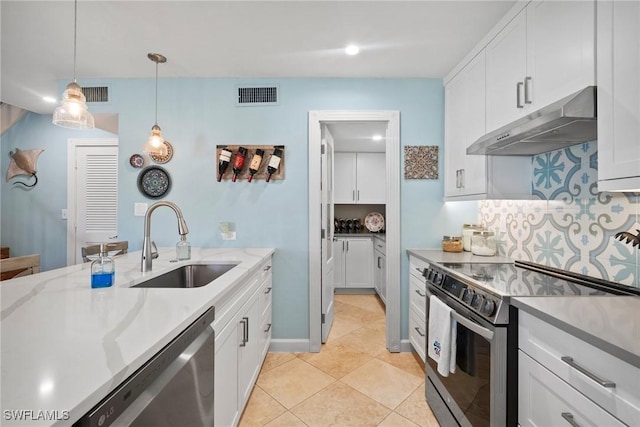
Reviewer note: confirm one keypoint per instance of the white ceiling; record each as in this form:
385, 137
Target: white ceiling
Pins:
398, 39
358, 136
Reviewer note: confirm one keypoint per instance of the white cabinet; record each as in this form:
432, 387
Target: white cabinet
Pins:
360, 178
353, 262
476, 176
618, 96
545, 53
417, 307
561, 377
380, 267
241, 344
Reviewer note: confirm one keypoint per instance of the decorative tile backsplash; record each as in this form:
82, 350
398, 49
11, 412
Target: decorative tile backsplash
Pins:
569, 224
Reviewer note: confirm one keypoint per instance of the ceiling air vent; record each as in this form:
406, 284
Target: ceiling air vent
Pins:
96, 93
258, 95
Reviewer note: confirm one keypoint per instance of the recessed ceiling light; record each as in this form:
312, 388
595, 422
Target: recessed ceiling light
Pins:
49, 99
377, 137
352, 49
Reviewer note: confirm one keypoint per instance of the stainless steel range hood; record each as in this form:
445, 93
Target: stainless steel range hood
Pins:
570, 121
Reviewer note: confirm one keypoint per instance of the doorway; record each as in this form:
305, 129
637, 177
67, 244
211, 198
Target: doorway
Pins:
392, 191
92, 194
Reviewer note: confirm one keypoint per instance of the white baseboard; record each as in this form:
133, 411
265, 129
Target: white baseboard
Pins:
405, 346
289, 346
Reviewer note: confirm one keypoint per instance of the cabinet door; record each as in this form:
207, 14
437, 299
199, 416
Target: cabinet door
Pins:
506, 68
248, 366
455, 134
344, 169
339, 246
358, 263
561, 51
618, 96
226, 408
383, 278
371, 178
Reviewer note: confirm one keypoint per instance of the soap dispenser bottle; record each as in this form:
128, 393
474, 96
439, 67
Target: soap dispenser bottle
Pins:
103, 269
183, 249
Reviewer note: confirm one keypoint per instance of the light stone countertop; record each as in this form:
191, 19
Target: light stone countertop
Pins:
439, 256
611, 323
65, 346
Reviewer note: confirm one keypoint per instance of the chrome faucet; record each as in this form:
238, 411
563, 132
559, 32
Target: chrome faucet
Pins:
183, 230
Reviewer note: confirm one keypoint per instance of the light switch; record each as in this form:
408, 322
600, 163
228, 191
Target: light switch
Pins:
140, 209
63, 214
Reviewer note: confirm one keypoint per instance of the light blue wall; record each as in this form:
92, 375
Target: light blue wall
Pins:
198, 114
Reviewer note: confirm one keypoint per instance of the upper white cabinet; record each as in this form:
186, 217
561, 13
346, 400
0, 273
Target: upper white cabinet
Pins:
476, 176
618, 96
545, 53
360, 178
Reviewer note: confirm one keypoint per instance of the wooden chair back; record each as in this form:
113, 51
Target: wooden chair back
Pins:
19, 266
89, 253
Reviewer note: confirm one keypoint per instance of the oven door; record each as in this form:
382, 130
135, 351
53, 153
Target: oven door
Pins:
475, 395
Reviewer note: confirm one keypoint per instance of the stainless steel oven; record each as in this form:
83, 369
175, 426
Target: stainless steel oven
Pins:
173, 389
483, 390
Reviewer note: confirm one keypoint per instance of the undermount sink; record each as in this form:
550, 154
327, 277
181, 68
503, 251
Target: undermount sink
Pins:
188, 276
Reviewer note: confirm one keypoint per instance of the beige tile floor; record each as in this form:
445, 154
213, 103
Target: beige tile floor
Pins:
353, 381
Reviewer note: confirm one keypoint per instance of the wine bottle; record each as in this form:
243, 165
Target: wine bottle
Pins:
238, 162
223, 162
274, 163
254, 165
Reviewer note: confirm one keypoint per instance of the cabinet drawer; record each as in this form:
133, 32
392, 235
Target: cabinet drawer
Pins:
380, 245
266, 290
546, 400
417, 266
548, 345
417, 296
418, 332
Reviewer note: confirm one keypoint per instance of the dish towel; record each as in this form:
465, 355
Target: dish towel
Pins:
441, 338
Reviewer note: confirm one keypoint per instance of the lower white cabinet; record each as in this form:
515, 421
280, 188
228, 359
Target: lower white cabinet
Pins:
380, 268
562, 377
241, 343
417, 307
353, 262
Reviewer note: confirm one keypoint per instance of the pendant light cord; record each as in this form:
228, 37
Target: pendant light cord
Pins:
156, 93
75, 31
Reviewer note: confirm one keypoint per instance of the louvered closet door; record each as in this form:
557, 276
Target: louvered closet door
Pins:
96, 195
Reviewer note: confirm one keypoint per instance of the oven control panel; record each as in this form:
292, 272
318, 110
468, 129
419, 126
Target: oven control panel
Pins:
474, 298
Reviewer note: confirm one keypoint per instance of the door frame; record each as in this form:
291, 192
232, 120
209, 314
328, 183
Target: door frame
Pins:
393, 309
72, 177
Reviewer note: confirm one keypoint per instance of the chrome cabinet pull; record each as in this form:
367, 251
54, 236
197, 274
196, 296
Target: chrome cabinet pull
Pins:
343, 246
353, 195
266, 268
268, 290
379, 262
604, 383
518, 100
419, 331
420, 293
527, 94
461, 178
268, 327
347, 246
569, 417
244, 332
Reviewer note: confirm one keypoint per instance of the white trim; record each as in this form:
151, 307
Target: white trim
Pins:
71, 187
392, 220
288, 346
406, 347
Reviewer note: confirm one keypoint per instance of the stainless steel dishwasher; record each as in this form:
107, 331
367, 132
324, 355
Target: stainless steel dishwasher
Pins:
174, 388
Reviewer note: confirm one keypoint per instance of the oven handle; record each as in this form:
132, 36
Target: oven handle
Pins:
482, 331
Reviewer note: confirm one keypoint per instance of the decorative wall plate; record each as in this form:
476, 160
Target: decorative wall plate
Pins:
167, 157
374, 222
136, 160
154, 182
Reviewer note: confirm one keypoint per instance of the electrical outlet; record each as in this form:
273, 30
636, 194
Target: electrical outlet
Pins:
64, 214
229, 235
140, 209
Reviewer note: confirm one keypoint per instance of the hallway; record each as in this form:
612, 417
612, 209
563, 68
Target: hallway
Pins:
353, 381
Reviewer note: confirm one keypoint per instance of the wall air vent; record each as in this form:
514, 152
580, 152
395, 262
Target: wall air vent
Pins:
96, 94
257, 95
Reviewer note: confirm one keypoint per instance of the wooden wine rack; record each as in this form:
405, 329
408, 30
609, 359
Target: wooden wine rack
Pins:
251, 149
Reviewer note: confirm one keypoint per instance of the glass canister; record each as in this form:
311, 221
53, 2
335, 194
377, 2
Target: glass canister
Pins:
483, 243
467, 233
452, 243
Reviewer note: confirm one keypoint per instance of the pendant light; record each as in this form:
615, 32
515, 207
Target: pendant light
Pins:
72, 111
155, 144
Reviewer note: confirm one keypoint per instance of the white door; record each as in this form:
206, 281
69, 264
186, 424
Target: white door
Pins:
327, 232
92, 196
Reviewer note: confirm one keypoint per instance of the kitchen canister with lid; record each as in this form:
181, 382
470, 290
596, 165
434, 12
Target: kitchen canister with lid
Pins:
452, 243
483, 243
467, 233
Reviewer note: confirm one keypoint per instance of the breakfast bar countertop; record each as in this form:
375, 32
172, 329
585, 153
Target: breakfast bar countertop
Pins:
65, 346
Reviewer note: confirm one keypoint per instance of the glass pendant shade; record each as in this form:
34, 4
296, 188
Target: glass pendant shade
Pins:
73, 112
155, 144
